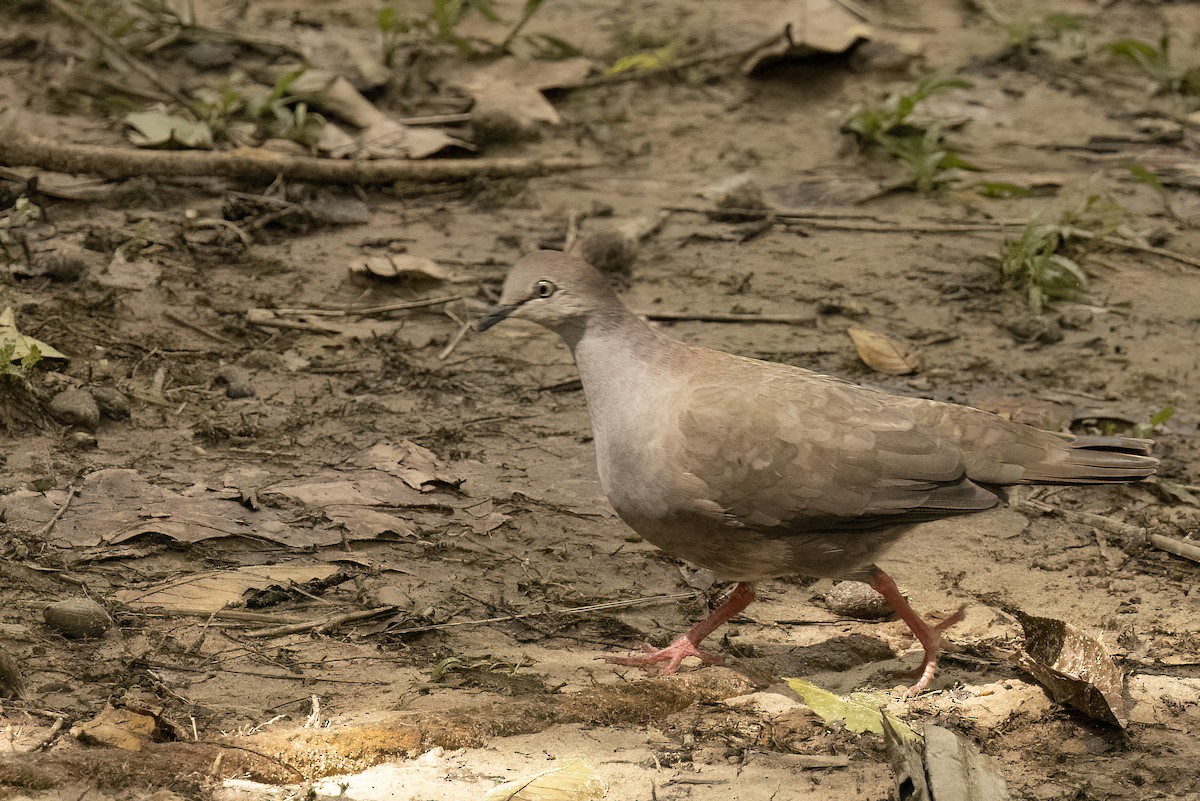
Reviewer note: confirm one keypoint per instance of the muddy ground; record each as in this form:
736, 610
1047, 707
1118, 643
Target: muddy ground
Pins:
444, 478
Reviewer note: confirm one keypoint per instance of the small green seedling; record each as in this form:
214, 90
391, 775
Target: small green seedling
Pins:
1025, 29
889, 127
1033, 264
20, 369
1157, 421
440, 25
1155, 61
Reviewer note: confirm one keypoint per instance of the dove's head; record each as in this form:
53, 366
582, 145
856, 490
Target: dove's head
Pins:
557, 290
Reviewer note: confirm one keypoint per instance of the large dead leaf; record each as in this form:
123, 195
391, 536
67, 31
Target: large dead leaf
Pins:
21, 344
512, 88
117, 728
403, 267
883, 353
159, 128
809, 27
417, 466
116, 505
571, 780
1074, 667
957, 771
859, 712
208, 591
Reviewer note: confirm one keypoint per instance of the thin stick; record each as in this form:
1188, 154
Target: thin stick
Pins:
458, 337
1108, 524
19, 149
46, 529
320, 624
731, 317
1175, 546
370, 310
199, 329
571, 611
638, 75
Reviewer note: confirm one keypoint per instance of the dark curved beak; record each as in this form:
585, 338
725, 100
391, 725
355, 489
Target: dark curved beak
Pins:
494, 315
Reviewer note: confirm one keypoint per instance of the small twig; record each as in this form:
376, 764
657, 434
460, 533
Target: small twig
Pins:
1108, 524
571, 611
60, 722
175, 317
1175, 546
1128, 245
323, 623
457, 338
370, 310
19, 149
233, 615
46, 529
638, 75
731, 317
138, 66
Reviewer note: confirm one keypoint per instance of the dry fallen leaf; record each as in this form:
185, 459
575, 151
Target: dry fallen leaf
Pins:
808, 27
958, 771
118, 728
401, 267
883, 353
1074, 667
570, 780
22, 344
512, 89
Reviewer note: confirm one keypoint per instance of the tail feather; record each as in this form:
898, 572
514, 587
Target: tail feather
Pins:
1094, 460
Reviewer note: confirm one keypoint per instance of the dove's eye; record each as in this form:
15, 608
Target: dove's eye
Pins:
544, 288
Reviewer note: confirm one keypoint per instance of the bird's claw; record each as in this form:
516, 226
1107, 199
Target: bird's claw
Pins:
673, 655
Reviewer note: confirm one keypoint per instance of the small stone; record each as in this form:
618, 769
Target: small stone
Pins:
238, 381
77, 618
112, 402
83, 440
76, 407
857, 600
211, 55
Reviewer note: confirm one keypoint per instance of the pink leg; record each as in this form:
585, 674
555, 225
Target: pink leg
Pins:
929, 636
687, 644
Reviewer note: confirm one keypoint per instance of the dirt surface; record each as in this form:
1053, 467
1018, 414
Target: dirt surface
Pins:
444, 479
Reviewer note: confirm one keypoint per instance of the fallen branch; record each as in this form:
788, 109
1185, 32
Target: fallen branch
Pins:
1112, 526
1178, 547
371, 310
46, 529
730, 317
570, 611
20, 149
323, 623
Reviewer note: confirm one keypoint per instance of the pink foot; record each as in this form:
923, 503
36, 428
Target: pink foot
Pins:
688, 643
929, 636
673, 655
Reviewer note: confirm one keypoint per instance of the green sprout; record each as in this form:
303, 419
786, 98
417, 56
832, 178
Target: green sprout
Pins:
889, 127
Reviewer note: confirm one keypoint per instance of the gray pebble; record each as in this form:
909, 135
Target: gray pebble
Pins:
76, 407
113, 403
77, 618
238, 381
857, 600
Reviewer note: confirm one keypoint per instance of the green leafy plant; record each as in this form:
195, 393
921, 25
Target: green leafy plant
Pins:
1033, 264
1156, 62
890, 127
1025, 29
1156, 421
440, 25
1037, 262
20, 369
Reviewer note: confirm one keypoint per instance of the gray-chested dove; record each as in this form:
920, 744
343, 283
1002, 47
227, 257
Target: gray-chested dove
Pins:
757, 470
